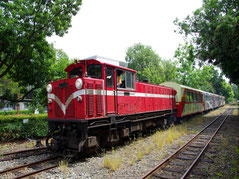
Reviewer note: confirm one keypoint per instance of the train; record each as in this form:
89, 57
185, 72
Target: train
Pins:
100, 104
190, 101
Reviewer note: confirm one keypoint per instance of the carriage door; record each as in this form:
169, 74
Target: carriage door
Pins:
110, 90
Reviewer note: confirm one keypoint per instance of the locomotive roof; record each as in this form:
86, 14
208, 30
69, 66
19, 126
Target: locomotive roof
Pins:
108, 61
102, 60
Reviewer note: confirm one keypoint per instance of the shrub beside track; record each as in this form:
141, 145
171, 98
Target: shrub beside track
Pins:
4, 113
13, 127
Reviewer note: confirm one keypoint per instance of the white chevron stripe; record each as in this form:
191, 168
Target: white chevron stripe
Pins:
70, 98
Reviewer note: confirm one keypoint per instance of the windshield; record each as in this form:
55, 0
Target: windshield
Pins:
76, 72
94, 71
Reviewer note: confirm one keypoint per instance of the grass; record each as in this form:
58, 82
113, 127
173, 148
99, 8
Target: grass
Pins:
112, 161
139, 154
235, 112
132, 160
224, 142
63, 166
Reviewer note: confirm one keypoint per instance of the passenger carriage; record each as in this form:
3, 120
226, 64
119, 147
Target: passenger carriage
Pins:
208, 99
189, 100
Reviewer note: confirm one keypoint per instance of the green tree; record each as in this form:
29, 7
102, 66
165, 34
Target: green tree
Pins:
56, 71
26, 57
53, 70
187, 65
214, 28
200, 75
149, 65
220, 86
57, 68
142, 58
236, 91
204, 77
25, 24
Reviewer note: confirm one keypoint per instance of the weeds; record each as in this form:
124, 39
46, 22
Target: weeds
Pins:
132, 160
139, 154
63, 166
235, 112
112, 161
236, 149
219, 174
225, 142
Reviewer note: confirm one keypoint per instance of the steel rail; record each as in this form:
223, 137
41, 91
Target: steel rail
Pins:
203, 150
23, 151
164, 162
27, 165
36, 172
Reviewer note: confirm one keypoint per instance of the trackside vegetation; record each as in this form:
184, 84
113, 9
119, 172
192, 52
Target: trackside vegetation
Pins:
24, 126
15, 112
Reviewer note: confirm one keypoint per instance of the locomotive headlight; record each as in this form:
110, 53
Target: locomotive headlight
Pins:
79, 98
79, 83
49, 88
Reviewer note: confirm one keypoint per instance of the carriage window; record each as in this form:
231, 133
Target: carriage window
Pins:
187, 96
76, 72
109, 77
94, 71
194, 97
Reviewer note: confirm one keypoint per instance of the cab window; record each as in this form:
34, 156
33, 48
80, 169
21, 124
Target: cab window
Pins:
125, 79
128, 80
120, 79
94, 71
76, 72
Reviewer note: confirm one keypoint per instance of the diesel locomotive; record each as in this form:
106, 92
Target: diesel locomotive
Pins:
102, 103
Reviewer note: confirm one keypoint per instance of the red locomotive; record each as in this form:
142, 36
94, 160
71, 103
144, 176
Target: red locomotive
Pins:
101, 103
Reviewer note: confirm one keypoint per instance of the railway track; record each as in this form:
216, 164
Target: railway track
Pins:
182, 162
39, 166
23, 153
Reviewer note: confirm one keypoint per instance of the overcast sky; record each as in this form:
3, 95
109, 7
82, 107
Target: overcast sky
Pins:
108, 27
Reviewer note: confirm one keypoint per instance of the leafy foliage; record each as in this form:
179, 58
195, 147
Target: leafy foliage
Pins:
56, 71
214, 28
25, 56
141, 57
15, 112
12, 127
198, 75
149, 65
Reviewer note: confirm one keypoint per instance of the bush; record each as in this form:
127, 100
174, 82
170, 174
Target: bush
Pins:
15, 112
12, 127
